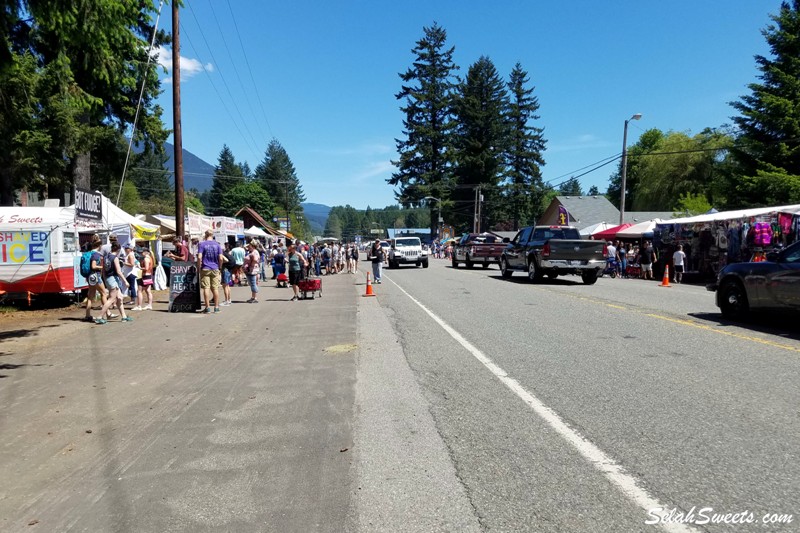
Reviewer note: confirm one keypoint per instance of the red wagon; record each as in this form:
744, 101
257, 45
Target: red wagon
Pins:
310, 286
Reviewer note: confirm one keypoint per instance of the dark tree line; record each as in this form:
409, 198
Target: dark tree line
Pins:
468, 139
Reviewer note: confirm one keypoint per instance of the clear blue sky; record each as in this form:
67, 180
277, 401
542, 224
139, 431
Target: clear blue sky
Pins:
326, 74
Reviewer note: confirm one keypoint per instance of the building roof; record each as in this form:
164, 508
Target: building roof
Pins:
583, 211
260, 221
634, 217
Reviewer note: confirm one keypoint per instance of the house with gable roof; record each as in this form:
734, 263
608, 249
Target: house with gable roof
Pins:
586, 211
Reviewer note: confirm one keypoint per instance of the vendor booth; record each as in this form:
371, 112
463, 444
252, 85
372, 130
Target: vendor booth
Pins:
40, 247
227, 229
712, 240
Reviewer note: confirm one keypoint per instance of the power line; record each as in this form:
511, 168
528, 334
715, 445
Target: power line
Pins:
233, 63
250, 70
214, 86
222, 77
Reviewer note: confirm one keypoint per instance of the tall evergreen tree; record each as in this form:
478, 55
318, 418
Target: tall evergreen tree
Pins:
524, 159
571, 187
90, 56
227, 175
424, 167
147, 172
277, 175
481, 142
769, 146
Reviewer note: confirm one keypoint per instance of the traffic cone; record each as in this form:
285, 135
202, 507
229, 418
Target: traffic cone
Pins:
665, 279
369, 287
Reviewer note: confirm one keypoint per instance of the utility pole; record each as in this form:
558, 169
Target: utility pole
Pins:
476, 226
176, 121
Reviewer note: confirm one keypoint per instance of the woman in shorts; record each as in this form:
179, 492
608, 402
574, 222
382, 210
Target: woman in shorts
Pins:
296, 264
115, 282
251, 269
146, 281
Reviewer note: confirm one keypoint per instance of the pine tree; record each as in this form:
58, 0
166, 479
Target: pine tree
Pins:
571, 187
426, 159
524, 159
769, 149
277, 175
227, 175
481, 141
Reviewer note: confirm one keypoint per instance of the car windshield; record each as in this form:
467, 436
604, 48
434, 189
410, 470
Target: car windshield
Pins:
406, 242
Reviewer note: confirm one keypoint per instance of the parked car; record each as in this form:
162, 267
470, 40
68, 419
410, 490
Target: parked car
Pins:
477, 248
769, 285
552, 251
407, 250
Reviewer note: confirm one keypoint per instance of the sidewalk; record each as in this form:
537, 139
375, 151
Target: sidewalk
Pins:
236, 421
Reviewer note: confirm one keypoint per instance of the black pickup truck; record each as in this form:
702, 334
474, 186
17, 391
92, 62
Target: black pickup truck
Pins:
553, 251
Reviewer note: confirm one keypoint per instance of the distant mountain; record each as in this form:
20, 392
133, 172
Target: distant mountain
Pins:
317, 216
197, 174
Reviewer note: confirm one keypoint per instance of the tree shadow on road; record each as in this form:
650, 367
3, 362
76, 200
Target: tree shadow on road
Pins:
782, 325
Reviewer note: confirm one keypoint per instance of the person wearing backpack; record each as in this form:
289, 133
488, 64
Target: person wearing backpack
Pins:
115, 281
91, 268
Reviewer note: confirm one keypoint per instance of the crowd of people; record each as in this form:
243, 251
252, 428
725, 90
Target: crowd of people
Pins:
118, 271
634, 261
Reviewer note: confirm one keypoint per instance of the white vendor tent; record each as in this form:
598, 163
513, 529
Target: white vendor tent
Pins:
637, 230
255, 231
588, 231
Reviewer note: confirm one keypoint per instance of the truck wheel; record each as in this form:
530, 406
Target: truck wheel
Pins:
552, 275
733, 300
485, 265
533, 273
589, 278
425, 264
468, 262
505, 272
455, 263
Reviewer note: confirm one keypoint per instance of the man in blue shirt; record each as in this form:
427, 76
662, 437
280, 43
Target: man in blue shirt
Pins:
209, 260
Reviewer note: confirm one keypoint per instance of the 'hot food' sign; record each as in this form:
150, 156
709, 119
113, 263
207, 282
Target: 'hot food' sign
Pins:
88, 204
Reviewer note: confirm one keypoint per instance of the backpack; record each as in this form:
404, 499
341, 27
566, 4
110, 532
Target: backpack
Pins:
86, 264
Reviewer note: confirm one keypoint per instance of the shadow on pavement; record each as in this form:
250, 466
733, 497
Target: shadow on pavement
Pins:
782, 325
522, 279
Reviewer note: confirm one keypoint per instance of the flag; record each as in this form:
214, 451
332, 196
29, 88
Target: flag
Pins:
563, 216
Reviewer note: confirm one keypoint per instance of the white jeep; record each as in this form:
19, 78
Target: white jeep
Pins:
405, 250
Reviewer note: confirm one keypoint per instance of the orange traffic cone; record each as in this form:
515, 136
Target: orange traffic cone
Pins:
665, 279
369, 287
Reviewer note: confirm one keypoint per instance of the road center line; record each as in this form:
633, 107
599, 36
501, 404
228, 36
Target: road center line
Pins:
601, 461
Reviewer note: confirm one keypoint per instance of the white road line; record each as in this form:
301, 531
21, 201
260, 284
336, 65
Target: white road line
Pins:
597, 457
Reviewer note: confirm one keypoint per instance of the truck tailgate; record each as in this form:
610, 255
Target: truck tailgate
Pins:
575, 250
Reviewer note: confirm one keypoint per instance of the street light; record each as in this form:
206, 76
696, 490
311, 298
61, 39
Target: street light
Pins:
637, 116
439, 203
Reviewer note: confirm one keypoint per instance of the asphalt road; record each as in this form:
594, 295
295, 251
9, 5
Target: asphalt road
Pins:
527, 383
452, 401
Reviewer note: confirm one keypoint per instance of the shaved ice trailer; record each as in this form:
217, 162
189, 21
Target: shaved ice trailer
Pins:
40, 247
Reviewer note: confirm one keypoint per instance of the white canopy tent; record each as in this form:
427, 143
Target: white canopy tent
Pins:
588, 231
733, 215
255, 231
637, 230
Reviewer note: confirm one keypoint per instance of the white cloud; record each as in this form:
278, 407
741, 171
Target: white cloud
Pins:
374, 170
189, 67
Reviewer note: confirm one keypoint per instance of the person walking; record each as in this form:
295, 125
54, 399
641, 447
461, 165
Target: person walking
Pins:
227, 275
146, 282
646, 260
95, 279
238, 253
296, 263
377, 255
251, 270
679, 260
131, 271
114, 280
209, 259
